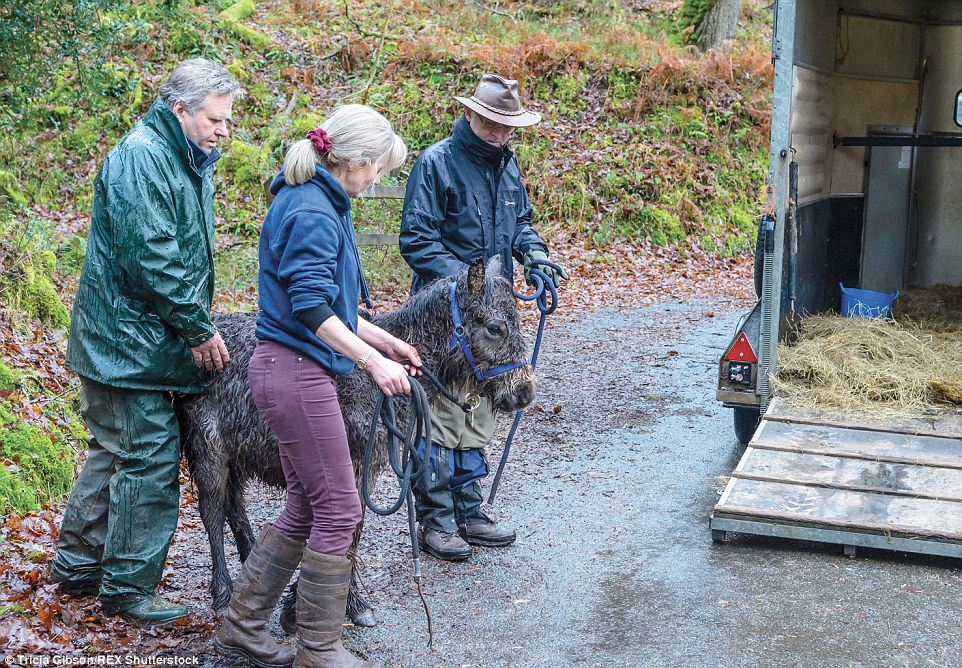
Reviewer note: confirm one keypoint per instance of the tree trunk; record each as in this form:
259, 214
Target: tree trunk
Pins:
719, 24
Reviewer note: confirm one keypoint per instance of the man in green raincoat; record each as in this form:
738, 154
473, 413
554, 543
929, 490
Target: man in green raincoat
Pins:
141, 331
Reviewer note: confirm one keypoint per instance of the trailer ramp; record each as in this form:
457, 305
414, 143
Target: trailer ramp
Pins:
825, 477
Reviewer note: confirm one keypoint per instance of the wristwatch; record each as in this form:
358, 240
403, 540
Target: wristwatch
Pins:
361, 362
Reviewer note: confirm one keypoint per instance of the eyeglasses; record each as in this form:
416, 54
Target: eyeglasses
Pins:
495, 127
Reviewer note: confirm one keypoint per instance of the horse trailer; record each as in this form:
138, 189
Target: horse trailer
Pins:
865, 164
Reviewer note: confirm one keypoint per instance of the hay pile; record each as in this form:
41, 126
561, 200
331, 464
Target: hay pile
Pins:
938, 309
910, 364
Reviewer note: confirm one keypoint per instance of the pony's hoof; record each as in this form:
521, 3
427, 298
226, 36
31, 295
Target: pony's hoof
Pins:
365, 619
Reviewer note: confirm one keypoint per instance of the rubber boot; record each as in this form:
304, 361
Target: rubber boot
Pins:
321, 605
243, 633
436, 513
152, 610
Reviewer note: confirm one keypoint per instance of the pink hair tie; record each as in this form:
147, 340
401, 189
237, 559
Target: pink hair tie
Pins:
322, 144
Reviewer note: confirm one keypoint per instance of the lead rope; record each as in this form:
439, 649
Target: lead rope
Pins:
418, 429
544, 287
402, 451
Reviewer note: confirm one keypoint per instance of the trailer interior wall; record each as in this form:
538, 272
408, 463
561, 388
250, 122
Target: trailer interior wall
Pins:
936, 233
859, 69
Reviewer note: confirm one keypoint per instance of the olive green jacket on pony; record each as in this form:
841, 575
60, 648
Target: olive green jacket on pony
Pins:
148, 279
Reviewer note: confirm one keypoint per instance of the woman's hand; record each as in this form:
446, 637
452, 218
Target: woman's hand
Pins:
390, 376
398, 350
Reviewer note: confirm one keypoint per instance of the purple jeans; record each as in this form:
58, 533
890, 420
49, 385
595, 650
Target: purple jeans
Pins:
298, 400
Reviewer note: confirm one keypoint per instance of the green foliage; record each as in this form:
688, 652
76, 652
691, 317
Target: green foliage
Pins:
33, 293
420, 109
37, 35
236, 269
17, 609
658, 225
302, 124
8, 380
385, 268
185, 39
238, 11
84, 136
71, 254
28, 264
691, 15
639, 139
10, 188
565, 93
736, 245
253, 37
239, 71
248, 166
34, 468
707, 243
6, 415
232, 17
622, 83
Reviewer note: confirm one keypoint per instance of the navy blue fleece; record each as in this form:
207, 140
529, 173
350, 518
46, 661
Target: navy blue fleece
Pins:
309, 267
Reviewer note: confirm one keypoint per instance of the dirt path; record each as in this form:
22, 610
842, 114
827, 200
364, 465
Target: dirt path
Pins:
614, 474
616, 471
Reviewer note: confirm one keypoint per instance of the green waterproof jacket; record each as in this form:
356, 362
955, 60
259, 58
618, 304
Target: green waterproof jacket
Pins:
148, 279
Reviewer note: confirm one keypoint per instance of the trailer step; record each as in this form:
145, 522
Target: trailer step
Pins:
821, 480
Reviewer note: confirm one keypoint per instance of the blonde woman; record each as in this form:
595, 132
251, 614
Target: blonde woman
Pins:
308, 332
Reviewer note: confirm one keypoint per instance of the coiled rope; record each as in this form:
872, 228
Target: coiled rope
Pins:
402, 452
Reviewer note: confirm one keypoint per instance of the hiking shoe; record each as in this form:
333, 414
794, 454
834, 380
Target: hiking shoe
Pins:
151, 610
449, 546
488, 534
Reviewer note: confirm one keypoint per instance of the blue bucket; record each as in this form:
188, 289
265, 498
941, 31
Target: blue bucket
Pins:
858, 303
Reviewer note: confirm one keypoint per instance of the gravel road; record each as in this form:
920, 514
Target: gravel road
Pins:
613, 476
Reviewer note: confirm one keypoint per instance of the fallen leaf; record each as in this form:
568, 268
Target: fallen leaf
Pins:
45, 615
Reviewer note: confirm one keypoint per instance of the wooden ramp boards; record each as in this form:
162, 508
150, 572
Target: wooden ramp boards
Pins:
858, 486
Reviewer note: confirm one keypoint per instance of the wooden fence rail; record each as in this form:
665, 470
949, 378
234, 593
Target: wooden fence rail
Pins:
380, 238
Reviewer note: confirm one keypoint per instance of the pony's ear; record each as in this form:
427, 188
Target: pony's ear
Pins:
476, 277
494, 266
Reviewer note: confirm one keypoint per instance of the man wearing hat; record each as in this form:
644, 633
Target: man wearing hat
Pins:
465, 200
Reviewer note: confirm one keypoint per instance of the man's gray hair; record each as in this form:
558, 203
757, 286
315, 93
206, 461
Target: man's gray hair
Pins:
193, 80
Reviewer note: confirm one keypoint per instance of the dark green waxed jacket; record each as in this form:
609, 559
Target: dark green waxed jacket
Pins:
148, 279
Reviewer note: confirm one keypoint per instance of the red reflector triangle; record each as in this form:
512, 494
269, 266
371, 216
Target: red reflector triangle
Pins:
741, 350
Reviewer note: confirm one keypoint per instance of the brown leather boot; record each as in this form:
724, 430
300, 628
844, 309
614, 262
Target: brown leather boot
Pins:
321, 605
243, 632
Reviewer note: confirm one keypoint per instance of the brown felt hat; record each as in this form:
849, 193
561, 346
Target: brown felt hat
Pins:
497, 100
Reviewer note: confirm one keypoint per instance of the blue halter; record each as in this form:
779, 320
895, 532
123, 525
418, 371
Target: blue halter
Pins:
458, 338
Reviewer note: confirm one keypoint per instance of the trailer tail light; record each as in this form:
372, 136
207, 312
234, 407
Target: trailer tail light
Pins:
740, 372
738, 366
741, 351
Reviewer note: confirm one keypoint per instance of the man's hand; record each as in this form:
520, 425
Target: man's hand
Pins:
530, 260
211, 354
